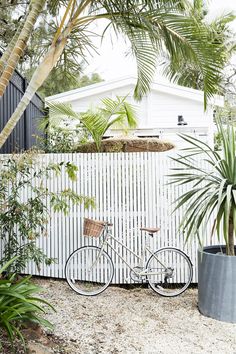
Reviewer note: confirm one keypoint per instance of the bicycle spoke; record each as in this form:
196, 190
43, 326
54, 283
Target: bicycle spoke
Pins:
175, 278
88, 271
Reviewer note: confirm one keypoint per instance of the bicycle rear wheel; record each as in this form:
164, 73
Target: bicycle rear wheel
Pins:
89, 270
169, 272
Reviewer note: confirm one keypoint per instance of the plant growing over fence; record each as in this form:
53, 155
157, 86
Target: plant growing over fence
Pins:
95, 121
62, 140
24, 216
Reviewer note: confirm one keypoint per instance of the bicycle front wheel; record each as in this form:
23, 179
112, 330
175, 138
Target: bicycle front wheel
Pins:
89, 270
169, 271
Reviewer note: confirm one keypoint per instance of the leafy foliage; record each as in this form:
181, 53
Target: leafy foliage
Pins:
64, 79
67, 74
160, 27
151, 27
95, 122
23, 218
212, 188
10, 19
186, 72
113, 113
227, 115
18, 304
62, 140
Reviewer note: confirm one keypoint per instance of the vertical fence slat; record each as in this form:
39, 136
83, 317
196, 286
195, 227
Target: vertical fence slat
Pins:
130, 191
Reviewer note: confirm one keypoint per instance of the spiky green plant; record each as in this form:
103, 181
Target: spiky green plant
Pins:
212, 189
18, 304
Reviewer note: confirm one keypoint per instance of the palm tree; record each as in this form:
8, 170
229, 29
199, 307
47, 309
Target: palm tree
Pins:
16, 47
4, 58
152, 27
187, 73
95, 121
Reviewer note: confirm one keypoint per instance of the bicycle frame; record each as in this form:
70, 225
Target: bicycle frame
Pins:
89, 269
108, 235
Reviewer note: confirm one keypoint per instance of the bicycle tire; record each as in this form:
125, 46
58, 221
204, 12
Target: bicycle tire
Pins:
177, 275
81, 276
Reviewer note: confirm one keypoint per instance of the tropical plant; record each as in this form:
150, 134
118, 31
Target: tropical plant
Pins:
186, 72
23, 218
114, 113
95, 121
19, 305
151, 27
212, 189
15, 50
9, 22
66, 75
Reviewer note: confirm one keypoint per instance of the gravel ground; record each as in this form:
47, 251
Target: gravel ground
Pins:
134, 321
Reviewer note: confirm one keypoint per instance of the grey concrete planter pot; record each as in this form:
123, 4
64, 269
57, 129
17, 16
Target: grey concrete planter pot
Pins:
217, 284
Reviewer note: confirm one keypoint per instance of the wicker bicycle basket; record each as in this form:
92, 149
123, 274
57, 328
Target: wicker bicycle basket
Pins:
93, 228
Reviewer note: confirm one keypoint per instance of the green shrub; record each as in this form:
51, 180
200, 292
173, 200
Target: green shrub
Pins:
19, 305
24, 216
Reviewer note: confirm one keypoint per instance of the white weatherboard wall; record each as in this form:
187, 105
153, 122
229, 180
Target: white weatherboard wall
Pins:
157, 112
130, 190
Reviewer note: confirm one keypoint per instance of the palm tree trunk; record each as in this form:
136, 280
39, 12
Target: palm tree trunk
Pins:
36, 7
38, 78
10, 47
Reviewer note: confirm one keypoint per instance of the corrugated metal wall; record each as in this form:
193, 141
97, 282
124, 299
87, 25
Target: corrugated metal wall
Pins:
23, 136
130, 190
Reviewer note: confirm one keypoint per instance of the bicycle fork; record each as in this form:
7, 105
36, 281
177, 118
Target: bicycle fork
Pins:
98, 257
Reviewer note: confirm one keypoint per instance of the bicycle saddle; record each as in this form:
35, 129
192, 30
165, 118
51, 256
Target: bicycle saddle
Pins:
150, 230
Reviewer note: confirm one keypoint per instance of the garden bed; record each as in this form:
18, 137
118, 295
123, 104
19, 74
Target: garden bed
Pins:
128, 144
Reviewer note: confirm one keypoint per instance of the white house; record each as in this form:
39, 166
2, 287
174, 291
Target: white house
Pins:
157, 112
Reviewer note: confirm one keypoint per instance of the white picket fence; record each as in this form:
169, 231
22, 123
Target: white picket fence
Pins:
130, 190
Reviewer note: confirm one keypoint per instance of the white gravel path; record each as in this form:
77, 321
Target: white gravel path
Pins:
135, 321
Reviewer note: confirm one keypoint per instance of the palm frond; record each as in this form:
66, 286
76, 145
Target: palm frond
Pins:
96, 124
95, 121
59, 112
153, 28
188, 72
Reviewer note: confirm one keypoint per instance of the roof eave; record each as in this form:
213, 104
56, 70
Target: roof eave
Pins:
104, 86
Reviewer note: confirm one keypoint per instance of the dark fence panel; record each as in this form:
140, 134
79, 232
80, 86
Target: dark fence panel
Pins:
24, 135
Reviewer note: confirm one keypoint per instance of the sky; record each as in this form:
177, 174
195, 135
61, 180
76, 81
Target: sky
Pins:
112, 61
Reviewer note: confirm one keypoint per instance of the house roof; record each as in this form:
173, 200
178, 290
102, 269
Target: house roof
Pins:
109, 85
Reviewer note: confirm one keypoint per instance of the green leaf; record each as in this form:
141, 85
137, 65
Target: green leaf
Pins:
211, 188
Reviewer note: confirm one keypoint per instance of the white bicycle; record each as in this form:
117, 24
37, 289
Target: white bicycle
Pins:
89, 270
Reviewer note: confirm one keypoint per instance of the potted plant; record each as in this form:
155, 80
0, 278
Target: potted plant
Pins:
211, 197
